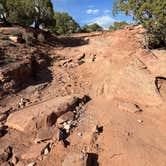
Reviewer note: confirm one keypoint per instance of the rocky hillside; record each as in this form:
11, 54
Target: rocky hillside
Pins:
87, 100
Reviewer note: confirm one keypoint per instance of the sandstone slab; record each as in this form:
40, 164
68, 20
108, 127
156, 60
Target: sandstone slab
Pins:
34, 151
45, 134
41, 115
75, 159
129, 107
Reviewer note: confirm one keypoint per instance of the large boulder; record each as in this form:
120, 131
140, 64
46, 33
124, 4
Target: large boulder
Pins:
41, 115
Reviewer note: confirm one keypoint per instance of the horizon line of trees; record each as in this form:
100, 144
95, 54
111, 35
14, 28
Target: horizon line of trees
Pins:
40, 13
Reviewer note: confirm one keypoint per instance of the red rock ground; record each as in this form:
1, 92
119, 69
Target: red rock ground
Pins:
122, 124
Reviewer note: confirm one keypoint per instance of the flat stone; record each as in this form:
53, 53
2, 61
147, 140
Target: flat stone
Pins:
34, 151
75, 159
47, 134
40, 115
129, 107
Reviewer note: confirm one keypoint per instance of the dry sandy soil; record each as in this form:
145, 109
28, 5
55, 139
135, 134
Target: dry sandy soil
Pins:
97, 103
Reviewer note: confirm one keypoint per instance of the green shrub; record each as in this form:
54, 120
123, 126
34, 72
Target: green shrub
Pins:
6, 43
16, 33
29, 38
2, 37
9, 59
154, 41
151, 14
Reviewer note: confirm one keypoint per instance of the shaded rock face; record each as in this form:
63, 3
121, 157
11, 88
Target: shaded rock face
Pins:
17, 75
14, 75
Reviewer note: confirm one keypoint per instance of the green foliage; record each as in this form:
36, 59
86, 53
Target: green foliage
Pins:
9, 59
91, 28
41, 11
150, 13
16, 33
26, 12
29, 38
18, 12
64, 24
4, 11
118, 25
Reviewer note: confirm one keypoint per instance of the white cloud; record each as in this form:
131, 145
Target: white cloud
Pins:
107, 11
104, 21
92, 11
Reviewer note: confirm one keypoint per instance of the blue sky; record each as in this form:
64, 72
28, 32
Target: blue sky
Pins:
90, 11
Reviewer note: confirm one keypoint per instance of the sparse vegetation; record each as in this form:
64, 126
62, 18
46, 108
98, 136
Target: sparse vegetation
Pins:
91, 28
27, 12
16, 33
29, 38
9, 59
151, 14
64, 24
118, 25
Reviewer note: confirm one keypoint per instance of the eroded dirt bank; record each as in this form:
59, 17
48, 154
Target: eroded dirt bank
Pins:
98, 102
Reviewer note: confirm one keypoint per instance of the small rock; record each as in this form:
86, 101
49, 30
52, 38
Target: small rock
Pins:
99, 129
14, 160
23, 102
31, 164
80, 134
46, 151
140, 121
3, 116
3, 157
6, 155
66, 127
20, 163
80, 57
1, 124
15, 39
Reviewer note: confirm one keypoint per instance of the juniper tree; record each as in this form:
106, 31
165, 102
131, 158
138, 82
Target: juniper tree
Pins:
150, 13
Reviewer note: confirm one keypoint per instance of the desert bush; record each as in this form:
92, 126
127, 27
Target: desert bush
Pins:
154, 41
2, 37
64, 24
118, 25
91, 28
6, 43
16, 33
151, 14
29, 38
9, 59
